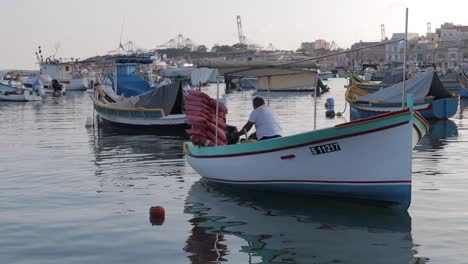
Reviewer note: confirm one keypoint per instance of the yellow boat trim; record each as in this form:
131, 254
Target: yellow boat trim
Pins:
353, 93
141, 109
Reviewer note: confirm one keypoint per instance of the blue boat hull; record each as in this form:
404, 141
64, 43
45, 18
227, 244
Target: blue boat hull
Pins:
463, 92
440, 109
395, 194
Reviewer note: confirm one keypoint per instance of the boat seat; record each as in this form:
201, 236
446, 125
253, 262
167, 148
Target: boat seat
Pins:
243, 141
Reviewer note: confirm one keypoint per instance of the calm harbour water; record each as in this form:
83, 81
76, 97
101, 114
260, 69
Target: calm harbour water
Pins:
70, 194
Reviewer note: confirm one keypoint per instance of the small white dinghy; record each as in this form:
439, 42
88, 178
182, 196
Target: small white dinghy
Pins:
21, 94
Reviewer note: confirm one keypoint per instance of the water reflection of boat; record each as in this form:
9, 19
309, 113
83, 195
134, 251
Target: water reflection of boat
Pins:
463, 105
293, 229
439, 132
442, 129
129, 144
134, 161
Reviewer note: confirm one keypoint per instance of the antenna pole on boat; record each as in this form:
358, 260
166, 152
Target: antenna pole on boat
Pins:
403, 96
150, 77
268, 92
217, 112
316, 91
115, 78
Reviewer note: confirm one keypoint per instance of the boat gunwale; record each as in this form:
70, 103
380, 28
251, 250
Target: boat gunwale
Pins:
362, 122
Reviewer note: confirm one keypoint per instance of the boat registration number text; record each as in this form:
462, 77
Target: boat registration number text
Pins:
326, 148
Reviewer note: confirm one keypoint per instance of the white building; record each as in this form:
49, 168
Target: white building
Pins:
394, 52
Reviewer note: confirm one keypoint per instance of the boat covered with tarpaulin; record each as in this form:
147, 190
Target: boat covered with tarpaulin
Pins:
129, 99
431, 98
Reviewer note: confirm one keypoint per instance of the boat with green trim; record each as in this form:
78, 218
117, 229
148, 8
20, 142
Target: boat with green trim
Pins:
126, 98
368, 86
365, 159
431, 98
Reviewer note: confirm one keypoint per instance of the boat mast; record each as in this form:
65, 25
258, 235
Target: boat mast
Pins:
316, 92
115, 78
217, 112
403, 94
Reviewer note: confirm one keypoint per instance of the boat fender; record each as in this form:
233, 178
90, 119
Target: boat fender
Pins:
221, 106
197, 109
199, 94
221, 134
194, 113
196, 120
157, 215
191, 97
197, 103
221, 138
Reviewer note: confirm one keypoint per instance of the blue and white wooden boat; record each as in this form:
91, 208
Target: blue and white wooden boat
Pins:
463, 84
128, 99
365, 159
431, 98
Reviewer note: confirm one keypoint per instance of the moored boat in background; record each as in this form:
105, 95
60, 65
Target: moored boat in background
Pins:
20, 94
432, 100
128, 99
463, 77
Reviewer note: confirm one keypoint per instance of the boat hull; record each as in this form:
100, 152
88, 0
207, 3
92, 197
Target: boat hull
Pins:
140, 118
360, 165
77, 84
437, 109
463, 85
8, 93
463, 92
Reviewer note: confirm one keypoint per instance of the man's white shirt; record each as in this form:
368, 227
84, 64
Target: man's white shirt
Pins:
266, 122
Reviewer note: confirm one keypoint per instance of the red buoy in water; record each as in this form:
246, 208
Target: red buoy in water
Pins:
157, 215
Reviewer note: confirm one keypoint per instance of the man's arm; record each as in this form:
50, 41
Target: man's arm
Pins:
244, 129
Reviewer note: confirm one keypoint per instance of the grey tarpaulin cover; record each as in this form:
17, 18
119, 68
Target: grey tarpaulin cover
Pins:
162, 97
422, 85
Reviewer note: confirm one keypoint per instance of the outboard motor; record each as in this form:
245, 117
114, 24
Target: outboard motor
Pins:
57, 87
228, 130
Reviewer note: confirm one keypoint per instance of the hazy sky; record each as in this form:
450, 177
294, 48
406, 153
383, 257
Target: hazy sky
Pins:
85, 28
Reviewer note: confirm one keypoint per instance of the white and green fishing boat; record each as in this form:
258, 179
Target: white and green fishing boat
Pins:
366, 159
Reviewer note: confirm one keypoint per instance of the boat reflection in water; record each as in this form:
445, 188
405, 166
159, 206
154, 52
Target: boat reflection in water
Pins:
463, 105
440, 133
287, 229
122, 158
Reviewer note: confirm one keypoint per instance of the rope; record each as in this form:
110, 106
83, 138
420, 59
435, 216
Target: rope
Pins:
344, 110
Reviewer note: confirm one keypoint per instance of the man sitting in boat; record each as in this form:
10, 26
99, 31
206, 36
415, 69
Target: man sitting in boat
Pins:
265, 119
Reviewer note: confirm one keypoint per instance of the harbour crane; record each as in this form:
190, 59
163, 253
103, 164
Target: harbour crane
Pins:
382, 31
179, 42
242, 39
240, 32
